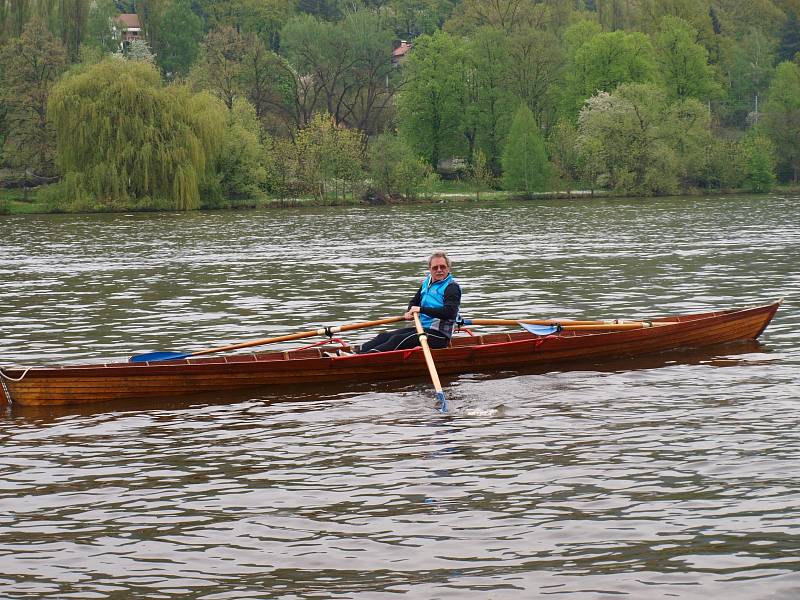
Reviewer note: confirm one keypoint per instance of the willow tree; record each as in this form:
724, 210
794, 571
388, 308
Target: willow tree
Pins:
124, 136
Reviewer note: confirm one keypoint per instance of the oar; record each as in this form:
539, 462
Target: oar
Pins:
426, 350
563, 322
550, 326
157, 356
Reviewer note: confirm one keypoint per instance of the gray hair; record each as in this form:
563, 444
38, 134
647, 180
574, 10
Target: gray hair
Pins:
439, 254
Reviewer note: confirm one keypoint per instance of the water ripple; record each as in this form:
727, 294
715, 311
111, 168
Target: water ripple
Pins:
672, 476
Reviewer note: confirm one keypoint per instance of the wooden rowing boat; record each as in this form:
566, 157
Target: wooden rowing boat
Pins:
81, 384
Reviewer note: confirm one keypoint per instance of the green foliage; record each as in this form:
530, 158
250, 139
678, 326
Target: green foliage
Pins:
700, 16
525, 164
412, 18
344, 68
686, 129
790, 37
69, 195
760, 163
535, 61
431, 106
480, 174
413, 175
240, 163
329, 158
282, 168
266, 18
782, 116
233, 65
139, 51
263, 18
615, 14
562, 147
180, 34
124, 136
220, 66
683, 63
394, 169
722, 165
637, 142
91, 55
324, 9
749, 70
472, 64
267, 82
100, 21
370, 81
578, 34
68, 20
504, 15
490, 105
737, 17
32, 64
605, 61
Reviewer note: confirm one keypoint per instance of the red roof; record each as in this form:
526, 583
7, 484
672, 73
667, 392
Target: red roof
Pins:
401, 50
129, 20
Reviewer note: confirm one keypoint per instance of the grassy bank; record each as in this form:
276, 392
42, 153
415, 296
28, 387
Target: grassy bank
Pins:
21, 202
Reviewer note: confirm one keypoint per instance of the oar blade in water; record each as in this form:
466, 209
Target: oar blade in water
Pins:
441, 403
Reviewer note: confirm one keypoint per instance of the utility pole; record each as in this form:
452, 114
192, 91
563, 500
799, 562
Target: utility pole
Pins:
756, 117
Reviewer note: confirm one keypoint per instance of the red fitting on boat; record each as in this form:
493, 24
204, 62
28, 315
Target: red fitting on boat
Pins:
315, 344
409, 353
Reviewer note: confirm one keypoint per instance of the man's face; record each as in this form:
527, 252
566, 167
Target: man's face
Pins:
439, 269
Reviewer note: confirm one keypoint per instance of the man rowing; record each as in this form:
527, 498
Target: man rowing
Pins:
437, 301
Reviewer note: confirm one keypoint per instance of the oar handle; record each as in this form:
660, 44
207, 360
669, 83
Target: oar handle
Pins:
301, 335
426, 350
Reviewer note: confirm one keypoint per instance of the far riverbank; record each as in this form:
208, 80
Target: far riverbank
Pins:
26, 202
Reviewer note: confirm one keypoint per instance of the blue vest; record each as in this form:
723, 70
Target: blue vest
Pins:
432, 296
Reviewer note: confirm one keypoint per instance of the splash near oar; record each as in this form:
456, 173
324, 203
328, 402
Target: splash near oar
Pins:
329, 331
426, 350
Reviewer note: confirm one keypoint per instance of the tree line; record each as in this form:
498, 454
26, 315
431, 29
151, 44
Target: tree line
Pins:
228, 100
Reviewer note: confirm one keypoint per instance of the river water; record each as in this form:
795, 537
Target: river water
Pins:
674, 476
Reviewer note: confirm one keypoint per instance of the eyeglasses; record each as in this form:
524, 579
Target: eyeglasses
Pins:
439, 268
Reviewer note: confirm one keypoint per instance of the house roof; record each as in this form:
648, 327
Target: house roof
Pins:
401, 50
129, 20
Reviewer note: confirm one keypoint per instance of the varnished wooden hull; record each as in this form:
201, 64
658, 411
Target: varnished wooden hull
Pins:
96, 383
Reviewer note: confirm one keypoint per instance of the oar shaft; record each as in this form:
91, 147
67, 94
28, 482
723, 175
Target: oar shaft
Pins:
612, 327
573, 325
564, 322
426, 350
301, 335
